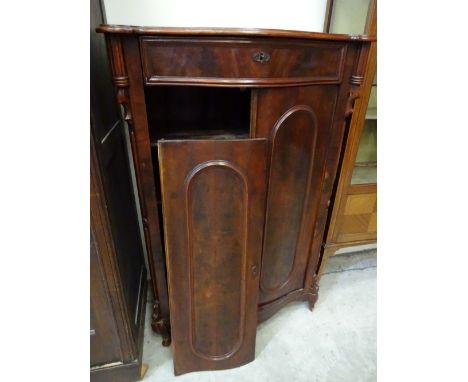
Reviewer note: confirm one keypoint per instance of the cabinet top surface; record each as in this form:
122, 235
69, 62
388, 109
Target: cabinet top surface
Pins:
229, 32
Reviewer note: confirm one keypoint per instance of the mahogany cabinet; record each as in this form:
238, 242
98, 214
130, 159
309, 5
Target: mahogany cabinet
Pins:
236, 137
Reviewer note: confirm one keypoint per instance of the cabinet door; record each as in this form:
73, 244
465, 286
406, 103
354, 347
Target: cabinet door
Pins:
104, 337
213, 195
297, 122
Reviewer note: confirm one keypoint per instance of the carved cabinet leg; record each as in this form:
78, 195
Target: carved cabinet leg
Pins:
161, 325
313, 296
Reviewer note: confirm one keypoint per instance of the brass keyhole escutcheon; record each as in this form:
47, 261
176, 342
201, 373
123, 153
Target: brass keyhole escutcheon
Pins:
261, 57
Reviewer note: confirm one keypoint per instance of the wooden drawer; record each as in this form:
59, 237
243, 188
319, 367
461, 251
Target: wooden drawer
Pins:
241, 62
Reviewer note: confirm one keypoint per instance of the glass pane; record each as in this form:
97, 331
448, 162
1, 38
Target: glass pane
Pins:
372, 105
349, 16
365, 168
367, 151
364, 175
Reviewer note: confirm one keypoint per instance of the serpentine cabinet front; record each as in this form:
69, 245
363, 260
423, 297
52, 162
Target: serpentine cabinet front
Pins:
236, 137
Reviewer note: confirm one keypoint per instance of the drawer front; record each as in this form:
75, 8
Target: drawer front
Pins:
240, 62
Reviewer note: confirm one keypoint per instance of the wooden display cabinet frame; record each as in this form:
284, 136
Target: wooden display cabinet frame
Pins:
335, 238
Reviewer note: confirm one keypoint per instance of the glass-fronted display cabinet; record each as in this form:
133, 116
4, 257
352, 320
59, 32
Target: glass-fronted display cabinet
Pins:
365, 166
353, 218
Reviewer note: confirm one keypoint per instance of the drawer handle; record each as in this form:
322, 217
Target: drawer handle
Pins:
261, 57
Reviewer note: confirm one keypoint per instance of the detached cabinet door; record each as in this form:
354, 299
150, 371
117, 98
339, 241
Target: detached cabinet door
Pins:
213, 194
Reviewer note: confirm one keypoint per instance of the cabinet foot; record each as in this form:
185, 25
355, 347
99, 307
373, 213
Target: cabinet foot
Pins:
161, 325
313, 296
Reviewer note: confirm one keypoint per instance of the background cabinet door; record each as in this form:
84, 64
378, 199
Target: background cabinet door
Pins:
104, 337
213, 195
297, 122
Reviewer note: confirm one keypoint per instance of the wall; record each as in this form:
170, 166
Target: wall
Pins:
307, 15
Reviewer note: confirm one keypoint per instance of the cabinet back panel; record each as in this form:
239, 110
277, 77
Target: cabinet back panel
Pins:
240, 61
194, 112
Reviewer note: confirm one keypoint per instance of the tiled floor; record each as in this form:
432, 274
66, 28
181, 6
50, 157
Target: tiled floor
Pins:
336, 342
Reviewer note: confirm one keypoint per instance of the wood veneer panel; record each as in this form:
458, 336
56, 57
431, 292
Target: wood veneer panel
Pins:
223, 61
213, 197
296, 122
233, 32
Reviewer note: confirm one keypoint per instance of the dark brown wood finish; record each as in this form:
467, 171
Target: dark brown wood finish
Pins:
118, 272
243, 62
230, 32
304, 142
127, 75
296, 122
213, 196
116, 330
303, 87
143, 163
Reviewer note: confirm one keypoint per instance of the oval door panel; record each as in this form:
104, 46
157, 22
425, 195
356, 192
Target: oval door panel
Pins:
293, 146
217, 213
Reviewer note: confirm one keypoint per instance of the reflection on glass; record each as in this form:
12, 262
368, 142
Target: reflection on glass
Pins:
365, 167
349, 16
364, 175
367, 151
372, 106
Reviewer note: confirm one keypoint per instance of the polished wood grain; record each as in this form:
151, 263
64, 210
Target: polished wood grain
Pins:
296, 122
302, 90
126, 69
244, 62
230, 32
312, 136
213, 197
301, 282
